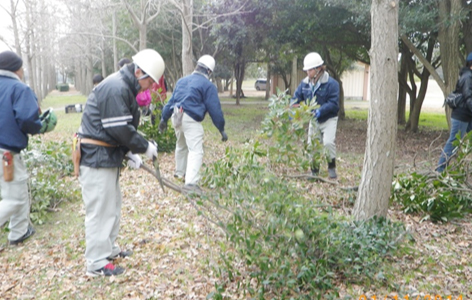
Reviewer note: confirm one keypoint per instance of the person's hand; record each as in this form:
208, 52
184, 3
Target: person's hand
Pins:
151, 150
134, 160
162, 126
224, 136
317, 114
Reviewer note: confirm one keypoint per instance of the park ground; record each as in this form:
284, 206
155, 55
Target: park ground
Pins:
176, 249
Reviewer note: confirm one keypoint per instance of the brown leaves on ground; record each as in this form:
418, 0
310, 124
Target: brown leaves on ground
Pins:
176, 249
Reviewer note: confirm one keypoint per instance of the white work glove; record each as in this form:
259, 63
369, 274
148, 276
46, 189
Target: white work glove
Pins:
151, 150
134, 161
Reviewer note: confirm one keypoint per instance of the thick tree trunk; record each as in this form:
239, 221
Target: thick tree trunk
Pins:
467, 30
377, 173
448, 37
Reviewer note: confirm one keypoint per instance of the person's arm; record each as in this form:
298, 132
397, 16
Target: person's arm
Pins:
332, 101
26, 111
117, 120
298, 96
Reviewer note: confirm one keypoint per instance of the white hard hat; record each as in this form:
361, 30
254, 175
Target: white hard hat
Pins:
150, 62
312, 60
207, 61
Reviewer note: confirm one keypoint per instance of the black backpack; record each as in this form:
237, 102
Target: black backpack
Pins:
454, 100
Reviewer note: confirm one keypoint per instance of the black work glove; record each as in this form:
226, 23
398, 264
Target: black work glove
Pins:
162, 126
224, 136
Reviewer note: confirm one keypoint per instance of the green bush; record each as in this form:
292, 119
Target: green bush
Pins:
439, 197
62, 87
149, 128
50, 167
290, 248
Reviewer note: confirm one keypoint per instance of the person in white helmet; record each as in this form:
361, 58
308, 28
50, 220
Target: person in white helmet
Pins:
320, 87
108, 133
194, 95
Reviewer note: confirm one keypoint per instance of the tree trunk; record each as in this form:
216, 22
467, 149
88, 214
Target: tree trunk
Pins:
402, 85
239, 71
16, 33
293, 78
268, 88
448, 37
187, 52
377, 173
467, 30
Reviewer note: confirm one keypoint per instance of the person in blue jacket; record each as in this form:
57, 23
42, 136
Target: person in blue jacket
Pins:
320, 87
19, 116
194, 96
461, 117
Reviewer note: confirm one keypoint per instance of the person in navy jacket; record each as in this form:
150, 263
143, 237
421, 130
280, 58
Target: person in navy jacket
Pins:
19, 116
194, 95
320, 87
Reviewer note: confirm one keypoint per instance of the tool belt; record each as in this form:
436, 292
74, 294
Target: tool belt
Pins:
76, 154
95, 142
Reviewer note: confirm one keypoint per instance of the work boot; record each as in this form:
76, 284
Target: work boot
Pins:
192, 189
332, 173
29, 232
332, 169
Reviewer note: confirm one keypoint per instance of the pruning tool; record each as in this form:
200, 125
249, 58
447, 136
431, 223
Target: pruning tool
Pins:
158, 172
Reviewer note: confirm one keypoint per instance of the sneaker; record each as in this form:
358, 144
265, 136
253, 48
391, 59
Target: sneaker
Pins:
29, 232
192, 189
332, 174
108, 270
122, 254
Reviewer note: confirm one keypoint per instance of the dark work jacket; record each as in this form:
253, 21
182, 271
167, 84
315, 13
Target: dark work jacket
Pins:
111, 115
197, 96
464, 85
327, 96
19, 112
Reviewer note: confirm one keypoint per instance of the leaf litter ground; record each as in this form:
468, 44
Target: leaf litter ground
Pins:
176, 249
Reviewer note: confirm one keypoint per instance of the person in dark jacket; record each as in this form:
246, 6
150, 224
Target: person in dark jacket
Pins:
193, 97
323, 89
108, 133
97, 78
461, 117
19, 116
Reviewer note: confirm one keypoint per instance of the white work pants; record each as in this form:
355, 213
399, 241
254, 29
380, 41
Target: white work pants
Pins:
14, 204
325, 133
102, 198
189, 149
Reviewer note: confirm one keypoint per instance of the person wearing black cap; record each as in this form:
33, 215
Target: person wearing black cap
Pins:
461, 117
122, 62
97, 78
19, 116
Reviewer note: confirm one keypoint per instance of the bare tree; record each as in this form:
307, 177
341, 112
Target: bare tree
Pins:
147, 11
377, 173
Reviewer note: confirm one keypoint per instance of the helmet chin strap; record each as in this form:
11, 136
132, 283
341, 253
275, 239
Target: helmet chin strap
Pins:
318, 74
